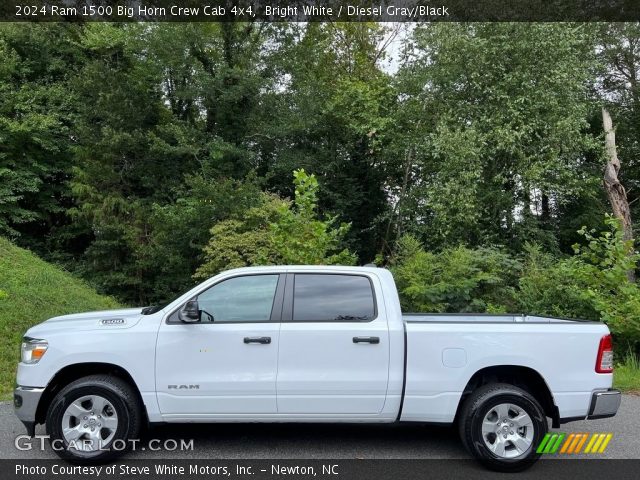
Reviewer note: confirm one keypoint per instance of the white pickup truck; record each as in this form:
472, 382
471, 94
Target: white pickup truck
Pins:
310, 344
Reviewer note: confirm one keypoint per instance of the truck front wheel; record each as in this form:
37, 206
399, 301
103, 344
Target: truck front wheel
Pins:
502, 426
93, 419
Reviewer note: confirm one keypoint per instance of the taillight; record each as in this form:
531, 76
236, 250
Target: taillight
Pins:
604, 360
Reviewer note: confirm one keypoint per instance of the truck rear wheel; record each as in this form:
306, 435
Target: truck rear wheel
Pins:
502, 426
93, 419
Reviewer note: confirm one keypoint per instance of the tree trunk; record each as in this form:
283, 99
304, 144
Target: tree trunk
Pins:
615, 190
546, 209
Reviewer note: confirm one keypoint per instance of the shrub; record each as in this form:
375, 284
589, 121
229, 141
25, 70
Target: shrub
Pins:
549, 287
592, 284
455, 280
278, 232
605, 262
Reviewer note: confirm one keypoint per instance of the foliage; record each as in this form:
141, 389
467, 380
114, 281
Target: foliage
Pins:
300, 237
32, 291
501, 128
591, 285
626, 374
36, 110
605, 261
549, 286
125, 149
160, 156
241, 242
619, 55
456, 279
278, 232
156, 247
331, 109
180, 230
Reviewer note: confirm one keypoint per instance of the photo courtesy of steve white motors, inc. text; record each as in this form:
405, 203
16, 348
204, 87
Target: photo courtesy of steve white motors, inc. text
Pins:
164, 468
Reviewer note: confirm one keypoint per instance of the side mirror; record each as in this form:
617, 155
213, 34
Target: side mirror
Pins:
190, 313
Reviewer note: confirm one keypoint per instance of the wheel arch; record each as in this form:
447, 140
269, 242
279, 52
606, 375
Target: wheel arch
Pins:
520, 376
75, 371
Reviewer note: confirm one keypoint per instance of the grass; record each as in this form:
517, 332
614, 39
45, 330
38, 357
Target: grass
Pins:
626, 375
31, 291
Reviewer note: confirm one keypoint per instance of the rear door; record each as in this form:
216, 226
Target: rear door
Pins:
334, 346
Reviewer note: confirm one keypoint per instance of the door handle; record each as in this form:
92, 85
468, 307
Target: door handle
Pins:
374, 340
262, 340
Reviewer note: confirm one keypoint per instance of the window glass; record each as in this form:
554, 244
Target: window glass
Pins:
239, 299
332, 297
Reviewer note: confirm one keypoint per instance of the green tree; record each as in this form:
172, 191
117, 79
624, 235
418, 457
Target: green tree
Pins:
180, 230
126, 158
492, 131
332, 102
605, 261
300, 237
37, 110
153, 121
278, 232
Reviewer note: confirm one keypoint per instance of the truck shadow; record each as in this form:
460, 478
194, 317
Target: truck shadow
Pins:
299, 440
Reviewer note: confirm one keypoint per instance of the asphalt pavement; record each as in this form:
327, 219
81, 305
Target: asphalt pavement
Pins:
318, 441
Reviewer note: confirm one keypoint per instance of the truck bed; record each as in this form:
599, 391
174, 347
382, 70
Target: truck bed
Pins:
483, 318
444, 351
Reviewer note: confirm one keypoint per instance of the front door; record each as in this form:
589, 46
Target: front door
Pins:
226, 363
334, 347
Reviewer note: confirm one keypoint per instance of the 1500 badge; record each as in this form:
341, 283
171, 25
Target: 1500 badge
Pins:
113, 321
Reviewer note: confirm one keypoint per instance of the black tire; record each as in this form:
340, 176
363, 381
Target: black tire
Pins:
123, 401
479, 404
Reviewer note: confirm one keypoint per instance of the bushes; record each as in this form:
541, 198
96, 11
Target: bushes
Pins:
455, 280
592, 284
277, 232
604, 264
242, 240
548, 286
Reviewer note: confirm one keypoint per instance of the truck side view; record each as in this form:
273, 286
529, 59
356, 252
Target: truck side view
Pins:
311, 344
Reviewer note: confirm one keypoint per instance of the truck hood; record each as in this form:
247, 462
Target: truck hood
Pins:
105, 319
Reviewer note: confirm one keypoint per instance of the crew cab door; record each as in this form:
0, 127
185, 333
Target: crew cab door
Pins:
334, 346
226, 363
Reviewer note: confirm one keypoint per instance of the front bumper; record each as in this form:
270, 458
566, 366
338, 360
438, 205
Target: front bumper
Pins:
25, 404
604, 403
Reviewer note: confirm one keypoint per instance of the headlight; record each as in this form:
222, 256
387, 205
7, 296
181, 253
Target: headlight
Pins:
33, 349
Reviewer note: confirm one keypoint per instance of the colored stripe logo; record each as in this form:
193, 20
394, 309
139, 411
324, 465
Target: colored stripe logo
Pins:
574, 443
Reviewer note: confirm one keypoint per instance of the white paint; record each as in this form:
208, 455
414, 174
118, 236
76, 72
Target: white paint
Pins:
313, 371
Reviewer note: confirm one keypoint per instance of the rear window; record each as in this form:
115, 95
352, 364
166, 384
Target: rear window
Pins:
321, 298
